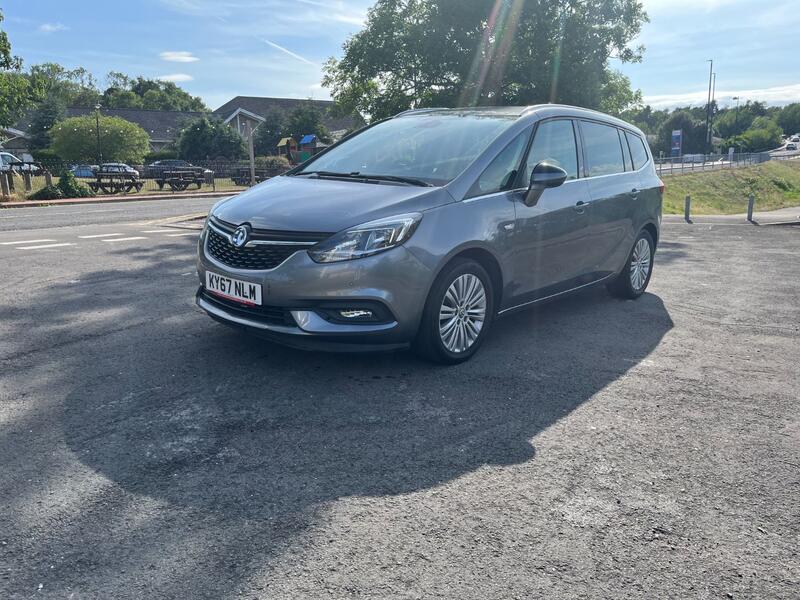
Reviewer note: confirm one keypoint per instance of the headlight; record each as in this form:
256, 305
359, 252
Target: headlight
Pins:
367, 239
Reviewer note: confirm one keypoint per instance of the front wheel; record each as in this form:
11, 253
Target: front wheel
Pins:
632, 281
458, 313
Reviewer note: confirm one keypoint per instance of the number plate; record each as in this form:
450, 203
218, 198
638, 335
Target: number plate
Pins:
233, 289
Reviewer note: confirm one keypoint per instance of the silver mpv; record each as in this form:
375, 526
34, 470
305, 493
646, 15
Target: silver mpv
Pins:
422, 229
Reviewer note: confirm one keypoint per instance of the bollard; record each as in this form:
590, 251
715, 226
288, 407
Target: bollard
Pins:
687, 208
750, 204
48, 179
26, 178
10, 175
4, 185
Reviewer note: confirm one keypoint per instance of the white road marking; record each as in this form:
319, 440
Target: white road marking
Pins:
24, 242
44, 246
127, 239
157, 230
183, 234
98, 235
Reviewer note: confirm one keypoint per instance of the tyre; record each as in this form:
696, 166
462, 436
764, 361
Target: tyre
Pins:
632, 281
458, 313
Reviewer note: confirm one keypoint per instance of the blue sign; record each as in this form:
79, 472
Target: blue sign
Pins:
677, 142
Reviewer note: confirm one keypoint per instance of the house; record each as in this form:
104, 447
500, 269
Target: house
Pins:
162, 126
245, 113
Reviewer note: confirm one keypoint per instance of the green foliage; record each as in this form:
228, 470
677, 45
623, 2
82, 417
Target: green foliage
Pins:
694, 133
789, 118
617, 94
16, 92
306, 119
67, 187
447, 53
128, 92
764, 134
68, 87
45, 155
49, 112
646, 119
210, 139
160, 155
72, 188
270, 132
75, 140
273, 163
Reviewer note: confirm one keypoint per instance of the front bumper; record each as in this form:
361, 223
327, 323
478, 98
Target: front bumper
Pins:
298, 294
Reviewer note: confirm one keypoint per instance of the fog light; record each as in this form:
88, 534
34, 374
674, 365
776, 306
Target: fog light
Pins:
357, 313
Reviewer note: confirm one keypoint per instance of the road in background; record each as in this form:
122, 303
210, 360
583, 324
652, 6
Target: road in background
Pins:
593, 448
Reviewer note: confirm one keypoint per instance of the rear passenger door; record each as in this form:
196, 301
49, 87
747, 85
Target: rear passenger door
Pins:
614, 189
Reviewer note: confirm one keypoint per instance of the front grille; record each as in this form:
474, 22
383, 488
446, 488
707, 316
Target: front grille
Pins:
272, 315
258, 257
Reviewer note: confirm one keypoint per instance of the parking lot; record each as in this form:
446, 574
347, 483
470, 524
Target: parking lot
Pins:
593, 448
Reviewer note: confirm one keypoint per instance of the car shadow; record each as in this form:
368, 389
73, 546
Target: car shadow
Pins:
236, 446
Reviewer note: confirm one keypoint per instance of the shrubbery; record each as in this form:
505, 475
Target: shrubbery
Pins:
67, 187
273, 163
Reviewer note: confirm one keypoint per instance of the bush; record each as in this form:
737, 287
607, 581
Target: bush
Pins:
48, 192
160, 155
273, 163
45, 155
67, 187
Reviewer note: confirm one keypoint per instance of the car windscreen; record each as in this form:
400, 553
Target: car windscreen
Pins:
431, 147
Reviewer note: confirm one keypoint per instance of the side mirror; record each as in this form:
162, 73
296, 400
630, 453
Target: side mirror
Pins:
545, 175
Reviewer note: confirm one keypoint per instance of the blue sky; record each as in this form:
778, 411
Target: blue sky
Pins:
222, 48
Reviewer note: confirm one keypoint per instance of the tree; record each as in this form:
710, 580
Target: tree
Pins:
789, 118
16, 92
127, 92
70, 87
694, 133
207, 139
417, 53
270, 132
75, 139
645, 118
305, 119
617, 95
49, 112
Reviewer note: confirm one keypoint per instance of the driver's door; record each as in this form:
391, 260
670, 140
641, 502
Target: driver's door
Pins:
550, 253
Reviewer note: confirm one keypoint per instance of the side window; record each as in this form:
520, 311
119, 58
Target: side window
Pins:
502, 171
555, 143
640, 156
603, 149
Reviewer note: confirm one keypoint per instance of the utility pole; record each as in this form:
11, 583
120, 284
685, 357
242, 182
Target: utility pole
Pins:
711, 110
708, 106
251, 152
97, 130
736, 118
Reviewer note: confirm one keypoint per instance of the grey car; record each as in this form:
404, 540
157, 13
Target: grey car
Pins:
422, 229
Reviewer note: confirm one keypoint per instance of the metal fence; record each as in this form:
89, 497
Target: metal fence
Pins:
22, 181
690, 163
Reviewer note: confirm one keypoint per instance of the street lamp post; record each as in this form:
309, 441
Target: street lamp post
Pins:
736, 115
97, 130
708, 106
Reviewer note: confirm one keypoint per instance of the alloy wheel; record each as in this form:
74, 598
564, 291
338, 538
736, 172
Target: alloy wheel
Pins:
462, 313
640, 264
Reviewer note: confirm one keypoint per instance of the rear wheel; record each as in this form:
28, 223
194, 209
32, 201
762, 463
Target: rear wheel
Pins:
632, 281
458, 313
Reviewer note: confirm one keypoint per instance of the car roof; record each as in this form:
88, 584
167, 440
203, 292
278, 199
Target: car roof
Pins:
533, 111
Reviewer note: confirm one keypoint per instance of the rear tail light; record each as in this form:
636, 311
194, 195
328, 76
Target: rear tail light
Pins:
661, 188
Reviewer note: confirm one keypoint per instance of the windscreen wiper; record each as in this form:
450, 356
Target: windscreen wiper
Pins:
362, 177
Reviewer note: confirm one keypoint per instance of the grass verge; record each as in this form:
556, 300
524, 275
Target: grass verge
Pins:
775, 184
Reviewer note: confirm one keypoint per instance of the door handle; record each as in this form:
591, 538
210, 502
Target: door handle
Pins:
580, 207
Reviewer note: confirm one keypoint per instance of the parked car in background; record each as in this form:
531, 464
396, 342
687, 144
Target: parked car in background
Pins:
422, 229
84, 171
10, 162
791, 146
157, 169
117, 168
694, 158
796, 139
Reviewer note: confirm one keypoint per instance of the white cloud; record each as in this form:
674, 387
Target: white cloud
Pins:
180, 56
176, 77
782, 94
52, 27
289, 52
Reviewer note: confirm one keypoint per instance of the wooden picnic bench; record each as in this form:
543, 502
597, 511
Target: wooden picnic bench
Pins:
115, 182
178, 181
242, 176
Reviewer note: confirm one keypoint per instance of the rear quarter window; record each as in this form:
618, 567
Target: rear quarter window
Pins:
638, 150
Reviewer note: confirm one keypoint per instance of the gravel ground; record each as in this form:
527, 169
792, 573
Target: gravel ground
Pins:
594, 448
